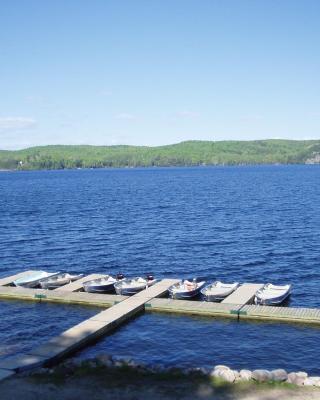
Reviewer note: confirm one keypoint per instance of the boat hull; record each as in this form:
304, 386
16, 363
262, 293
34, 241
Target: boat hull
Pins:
213, 298
54, 285
272, 301
130, 291
99, 288
33, 281
186, 294
220, 294
57, 281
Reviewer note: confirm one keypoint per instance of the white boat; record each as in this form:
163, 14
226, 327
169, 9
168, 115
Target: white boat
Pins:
33, 279
58, 280
218, 291
102, 285
128, 287
272, 294
186, 289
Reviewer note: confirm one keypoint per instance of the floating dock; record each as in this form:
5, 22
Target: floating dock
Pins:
118, 309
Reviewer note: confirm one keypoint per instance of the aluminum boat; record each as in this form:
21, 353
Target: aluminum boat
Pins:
272, 294
128, 287
33, 279
186, 289
218, 291
59, 280
102, 285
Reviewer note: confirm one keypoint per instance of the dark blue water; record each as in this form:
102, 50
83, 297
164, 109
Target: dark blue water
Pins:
194, 341
254, 224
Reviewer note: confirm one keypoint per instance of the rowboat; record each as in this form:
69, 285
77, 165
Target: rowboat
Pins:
272, 294
58, 280
128, 287
33, 279
217, 291
186, 289
102, 285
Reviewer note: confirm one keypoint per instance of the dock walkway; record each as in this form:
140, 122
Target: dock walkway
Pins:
244, 294
87, 331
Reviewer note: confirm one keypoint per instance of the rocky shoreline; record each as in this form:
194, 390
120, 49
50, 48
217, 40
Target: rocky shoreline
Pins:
219, 372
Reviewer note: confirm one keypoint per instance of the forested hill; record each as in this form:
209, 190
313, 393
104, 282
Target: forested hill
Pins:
181, 154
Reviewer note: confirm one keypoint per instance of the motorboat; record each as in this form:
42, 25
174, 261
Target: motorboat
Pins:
33, 279
128, 287
272, 294
102, 285
217, 291
186, 289
59, 280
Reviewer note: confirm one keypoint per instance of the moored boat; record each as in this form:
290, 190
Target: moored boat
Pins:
33, 279
130, 286
186, 289
102, 285
58, 280
272, 294
218, 291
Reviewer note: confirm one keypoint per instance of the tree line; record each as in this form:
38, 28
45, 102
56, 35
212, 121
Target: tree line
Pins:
191, 153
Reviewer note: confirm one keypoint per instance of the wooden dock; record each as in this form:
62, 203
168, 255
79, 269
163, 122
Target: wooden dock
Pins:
247, 312
193, 308
42, 295
285, 314
85, 332
244, 294
118, 309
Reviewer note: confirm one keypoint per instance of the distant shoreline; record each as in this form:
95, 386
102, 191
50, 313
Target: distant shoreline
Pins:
185, 154
158, 167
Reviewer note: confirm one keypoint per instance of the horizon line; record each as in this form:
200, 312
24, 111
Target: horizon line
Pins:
162, 145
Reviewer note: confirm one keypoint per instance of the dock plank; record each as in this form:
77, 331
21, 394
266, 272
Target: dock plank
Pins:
244, 294
193, 307
77, 285
20, 293
9, 279
83, 298
289, 314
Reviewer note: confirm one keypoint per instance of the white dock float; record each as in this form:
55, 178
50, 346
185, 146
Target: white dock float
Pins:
243, 295
9, 279
77, 285
87, 331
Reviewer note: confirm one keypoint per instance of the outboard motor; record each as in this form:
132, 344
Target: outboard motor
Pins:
119, 277
150, 277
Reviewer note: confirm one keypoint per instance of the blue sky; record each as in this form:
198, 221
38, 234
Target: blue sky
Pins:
158, 72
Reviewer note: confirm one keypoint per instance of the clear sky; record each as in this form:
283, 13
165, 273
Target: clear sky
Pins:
152, 72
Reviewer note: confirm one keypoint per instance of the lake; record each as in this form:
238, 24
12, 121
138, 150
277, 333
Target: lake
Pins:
249, 224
